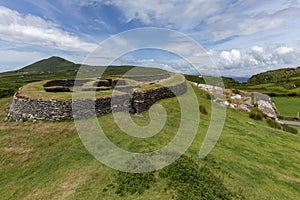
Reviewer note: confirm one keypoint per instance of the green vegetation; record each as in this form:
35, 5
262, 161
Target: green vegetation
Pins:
175, 78
193, 182
287, 106
272, 89
36, 90
59, 68
281, 82
283, 127
51, 65
256, 114
203, 110
46, 160
131, 183
275, 76
274, 124
289, 129
228, 82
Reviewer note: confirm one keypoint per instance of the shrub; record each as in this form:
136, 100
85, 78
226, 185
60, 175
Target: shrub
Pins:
208, 96
203, 109
272, 94
272, 123
130, 183
235, 91
193, 182
6, 92
289, 129
256, 114
292, 94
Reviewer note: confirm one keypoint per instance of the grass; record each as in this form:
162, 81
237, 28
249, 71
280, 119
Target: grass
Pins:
46, 160
287, 106
58, 68
36, 90
175, 78
272, 89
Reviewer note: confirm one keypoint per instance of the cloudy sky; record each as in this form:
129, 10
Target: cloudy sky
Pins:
242, 37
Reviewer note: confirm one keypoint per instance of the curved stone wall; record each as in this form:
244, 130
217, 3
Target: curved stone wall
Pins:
138, 101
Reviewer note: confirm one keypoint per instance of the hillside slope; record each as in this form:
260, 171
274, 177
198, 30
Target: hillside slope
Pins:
59, 68
46, 160
53, 64
275, 76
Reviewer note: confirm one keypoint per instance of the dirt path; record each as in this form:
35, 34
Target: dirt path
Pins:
286, 177
290, 122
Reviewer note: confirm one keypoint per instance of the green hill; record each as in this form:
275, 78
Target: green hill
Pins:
59, 68
46, 160
280, 82
275, 76
50, 65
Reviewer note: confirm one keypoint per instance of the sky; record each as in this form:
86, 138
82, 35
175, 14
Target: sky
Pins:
241, 37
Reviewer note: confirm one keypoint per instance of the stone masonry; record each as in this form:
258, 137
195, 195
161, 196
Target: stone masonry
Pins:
136, 102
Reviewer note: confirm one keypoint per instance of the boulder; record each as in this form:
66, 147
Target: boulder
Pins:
267, 108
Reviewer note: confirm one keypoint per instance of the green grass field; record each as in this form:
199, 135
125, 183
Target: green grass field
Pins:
287, 106
46, 159
271, 88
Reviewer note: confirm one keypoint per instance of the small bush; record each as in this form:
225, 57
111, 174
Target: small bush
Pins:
256, 114
203, 109
272, 123
208, 96
289, 129
272, 94
6, 92
130, 183
235, 91
292, 94
193, 182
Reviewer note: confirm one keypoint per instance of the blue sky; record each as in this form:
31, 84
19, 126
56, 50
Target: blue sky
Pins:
242, 37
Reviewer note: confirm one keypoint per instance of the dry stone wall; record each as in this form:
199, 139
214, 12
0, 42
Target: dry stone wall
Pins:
138, 101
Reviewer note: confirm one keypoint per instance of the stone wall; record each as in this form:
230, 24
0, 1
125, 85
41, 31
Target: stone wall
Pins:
138, 101
145, 99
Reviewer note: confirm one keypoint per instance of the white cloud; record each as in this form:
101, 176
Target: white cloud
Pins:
216, 19
257, 59
257, 49
183, 15
284, 50
232, 57
33, 30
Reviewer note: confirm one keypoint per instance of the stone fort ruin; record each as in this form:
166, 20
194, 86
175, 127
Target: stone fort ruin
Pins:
52, 100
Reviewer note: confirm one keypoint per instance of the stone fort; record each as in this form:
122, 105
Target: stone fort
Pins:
134, 94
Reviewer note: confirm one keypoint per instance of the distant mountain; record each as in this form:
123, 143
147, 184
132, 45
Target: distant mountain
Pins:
240, 79
60, 66
51, 65
275, 76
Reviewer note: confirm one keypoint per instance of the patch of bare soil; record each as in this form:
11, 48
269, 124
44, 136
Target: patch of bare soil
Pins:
286, 177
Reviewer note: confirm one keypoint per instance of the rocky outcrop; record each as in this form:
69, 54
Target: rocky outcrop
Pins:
242, 100
267, 108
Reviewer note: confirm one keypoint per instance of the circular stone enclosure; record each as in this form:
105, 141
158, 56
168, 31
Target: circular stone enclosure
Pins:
52, 100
